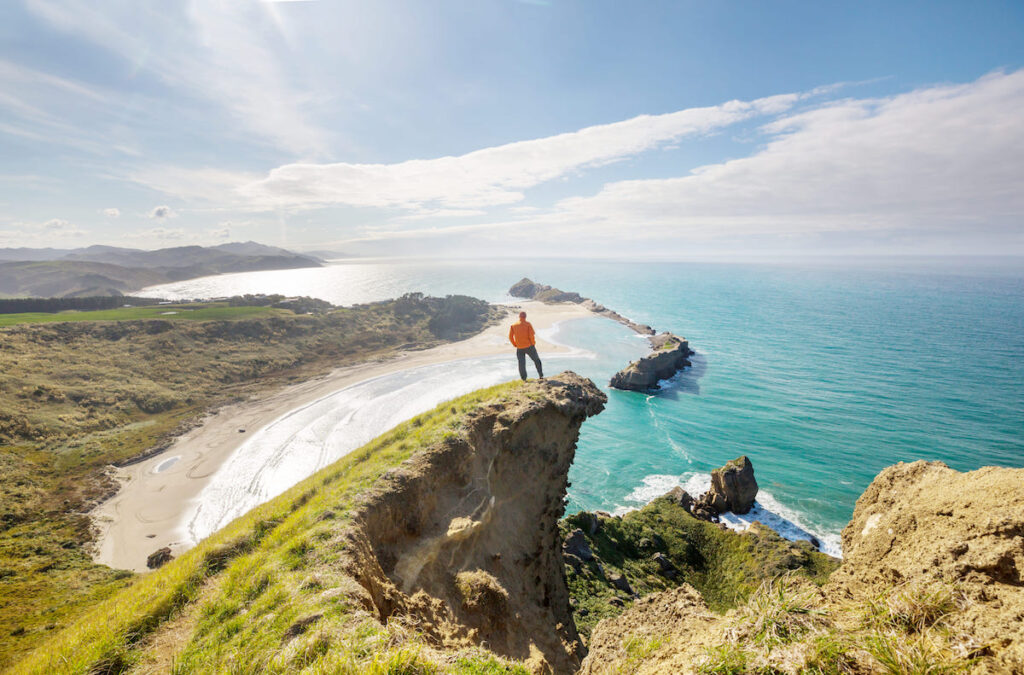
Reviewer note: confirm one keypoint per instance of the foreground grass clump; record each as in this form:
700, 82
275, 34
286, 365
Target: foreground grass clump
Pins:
788, 627
267, 593
76, 397
724, 566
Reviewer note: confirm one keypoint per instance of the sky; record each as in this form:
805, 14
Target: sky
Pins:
489, 128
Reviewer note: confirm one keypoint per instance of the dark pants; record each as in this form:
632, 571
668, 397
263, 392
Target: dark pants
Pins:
521, 355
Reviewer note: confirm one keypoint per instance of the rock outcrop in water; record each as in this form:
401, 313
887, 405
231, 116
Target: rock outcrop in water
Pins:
671, 354
465, 538
733, 487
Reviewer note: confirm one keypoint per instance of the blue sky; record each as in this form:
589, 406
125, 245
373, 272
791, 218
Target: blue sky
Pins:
487, 127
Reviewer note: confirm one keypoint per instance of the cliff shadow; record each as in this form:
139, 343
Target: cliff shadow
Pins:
685, 381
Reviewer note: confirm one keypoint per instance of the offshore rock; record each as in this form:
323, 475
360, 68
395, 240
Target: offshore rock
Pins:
670, 356
733, 487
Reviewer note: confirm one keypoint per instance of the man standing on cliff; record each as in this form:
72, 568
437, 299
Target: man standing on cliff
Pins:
522, 337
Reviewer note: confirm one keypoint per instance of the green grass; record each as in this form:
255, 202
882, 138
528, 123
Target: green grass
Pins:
191, 311
780, 612
270, 574
724, 566
788, 626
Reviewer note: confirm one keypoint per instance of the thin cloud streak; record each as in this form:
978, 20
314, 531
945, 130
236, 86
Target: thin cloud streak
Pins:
216, 50
498, 175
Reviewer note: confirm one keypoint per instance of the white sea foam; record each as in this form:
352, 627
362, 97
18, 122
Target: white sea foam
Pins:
767, 510
301, 442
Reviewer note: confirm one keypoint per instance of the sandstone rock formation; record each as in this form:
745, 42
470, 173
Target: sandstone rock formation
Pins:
733, 487
464, 538
925, 523
670, 356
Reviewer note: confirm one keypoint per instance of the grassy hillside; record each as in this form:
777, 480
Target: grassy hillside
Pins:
78, 396
265, 594
210, 311
724, 566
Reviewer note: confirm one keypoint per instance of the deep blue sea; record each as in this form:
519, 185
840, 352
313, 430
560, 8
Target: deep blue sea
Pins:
822, 374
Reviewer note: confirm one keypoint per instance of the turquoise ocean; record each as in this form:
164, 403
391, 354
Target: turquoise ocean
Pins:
822, 374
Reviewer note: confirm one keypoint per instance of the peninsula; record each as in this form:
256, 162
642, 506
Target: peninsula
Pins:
670, 352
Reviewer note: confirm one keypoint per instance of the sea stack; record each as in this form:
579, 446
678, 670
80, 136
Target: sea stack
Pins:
670, 355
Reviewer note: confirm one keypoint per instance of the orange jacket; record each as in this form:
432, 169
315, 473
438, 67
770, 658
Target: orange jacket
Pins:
521, 334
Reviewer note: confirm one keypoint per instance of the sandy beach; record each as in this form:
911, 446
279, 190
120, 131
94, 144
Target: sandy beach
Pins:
156, 495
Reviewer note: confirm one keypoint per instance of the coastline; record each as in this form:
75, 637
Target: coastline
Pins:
149, 509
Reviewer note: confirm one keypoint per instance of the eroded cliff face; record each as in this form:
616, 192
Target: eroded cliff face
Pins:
933, 575
464, 537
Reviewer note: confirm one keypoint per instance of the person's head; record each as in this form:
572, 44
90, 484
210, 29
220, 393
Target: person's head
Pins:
522, 316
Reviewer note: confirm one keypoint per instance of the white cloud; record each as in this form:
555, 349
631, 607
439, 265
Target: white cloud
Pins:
161, 233
62, 228
497, 175
221, 232
938, 158
111, 213
162, 212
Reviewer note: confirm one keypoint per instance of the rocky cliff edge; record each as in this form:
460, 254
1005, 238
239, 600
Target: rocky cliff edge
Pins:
465, 537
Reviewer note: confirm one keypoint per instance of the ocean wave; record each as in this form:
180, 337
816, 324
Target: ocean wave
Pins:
767, 510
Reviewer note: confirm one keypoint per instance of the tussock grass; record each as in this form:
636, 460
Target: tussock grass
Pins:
637, 650
780, 611
281, 603
782, 628
727, 659
913, 608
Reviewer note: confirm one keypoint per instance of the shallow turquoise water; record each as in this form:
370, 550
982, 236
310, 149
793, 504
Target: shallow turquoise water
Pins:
822, 376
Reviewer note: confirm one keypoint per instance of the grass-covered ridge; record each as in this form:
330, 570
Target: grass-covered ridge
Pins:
266, 594
78, 396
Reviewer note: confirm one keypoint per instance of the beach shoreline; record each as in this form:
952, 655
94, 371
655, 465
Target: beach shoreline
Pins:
156, 495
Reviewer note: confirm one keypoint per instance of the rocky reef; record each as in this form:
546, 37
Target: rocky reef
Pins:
671, 354
524, 288
530, 290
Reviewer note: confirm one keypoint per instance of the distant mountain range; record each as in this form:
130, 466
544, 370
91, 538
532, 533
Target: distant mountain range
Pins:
111, 270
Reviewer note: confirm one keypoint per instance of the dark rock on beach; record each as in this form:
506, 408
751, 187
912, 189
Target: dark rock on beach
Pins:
159, 558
